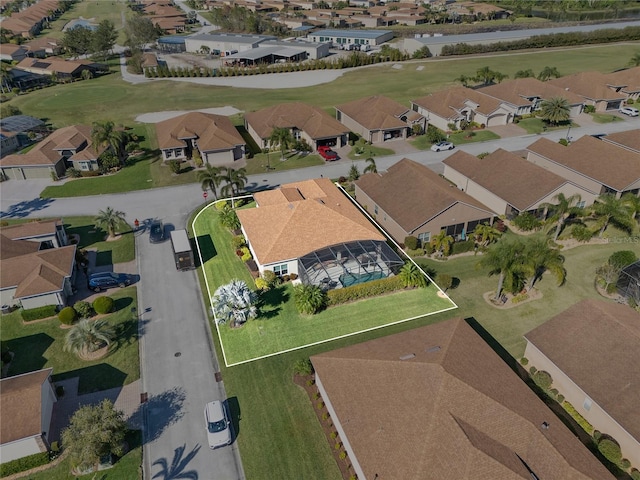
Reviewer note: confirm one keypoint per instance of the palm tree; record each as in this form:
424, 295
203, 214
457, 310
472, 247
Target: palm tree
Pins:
635, 60
281, 137
505, 259
463, 79
371, 166
87, 336
442, 242
633, 203
411, 276
309, 299
609, 209
524, 74
105, 134
540, 257
235, 180
555, 110
109, 219
547, 72
210, 179
563, 209
486, 234
228, 218
235, 302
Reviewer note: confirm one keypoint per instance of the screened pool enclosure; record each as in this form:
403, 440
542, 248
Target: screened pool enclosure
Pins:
347, 264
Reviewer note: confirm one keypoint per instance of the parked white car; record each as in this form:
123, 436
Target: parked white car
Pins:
438, 147
632, 112
217, 424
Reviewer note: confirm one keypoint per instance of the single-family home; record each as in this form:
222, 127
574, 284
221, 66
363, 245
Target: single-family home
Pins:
509, 184
29, 21
44, 46
626, 81
590, 351
306, 122
10, 52
524, 96
311, 229
378, 119
629, 139
64, 70
47, 233
451, 107
214, 136
17, 131
410, 199
436, 402
595, 165
26, 402
593, 88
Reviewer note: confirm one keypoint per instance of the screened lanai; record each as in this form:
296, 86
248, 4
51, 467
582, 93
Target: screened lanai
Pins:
629, 282
347, 264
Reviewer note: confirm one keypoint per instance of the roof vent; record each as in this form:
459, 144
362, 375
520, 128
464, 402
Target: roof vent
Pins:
545, 426
408, 356
433, 349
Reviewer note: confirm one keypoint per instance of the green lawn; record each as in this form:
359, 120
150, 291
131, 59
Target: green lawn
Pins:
273, 160
39, 345
280, 327
118, 251
362, 150
478, 136
605, 118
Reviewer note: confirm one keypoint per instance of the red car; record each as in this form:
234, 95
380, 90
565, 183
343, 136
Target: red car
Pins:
328, 154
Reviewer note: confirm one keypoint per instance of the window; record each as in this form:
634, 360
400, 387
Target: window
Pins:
424, 237
84, 166
587, 404
580, 204
281, 269
375, 209
168, 153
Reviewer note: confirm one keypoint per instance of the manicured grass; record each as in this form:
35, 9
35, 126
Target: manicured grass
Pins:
273, 160
117, 251
605, 118
39, 344
478, 136
109, 98
537, 125
362, 150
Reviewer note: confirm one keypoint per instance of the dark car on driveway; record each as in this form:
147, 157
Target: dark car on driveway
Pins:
102, 281
156, 232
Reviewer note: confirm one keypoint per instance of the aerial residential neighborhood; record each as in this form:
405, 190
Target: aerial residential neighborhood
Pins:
346, 241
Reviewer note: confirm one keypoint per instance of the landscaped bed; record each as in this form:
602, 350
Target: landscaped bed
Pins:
279, 327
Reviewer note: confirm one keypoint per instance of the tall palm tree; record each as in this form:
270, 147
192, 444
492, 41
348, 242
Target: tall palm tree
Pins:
442, 242
411, 276
235, 180
371, 166
555, 110
486, 234
506, 259
633, 203
105, 134
609, 209
524, 74
87, 336
109, 219
235, 302
210, 179
635, 60
547, 72
563, 208
540, 257
282, 138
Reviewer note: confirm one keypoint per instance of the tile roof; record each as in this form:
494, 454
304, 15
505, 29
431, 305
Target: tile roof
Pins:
213, 132
50, 64
590, 85
613, 166
519, 90
31, 229
314, 121
21, 405
376, 112
32, 271
515, 180
437, 402
413, 194
628, 78
629, 139
448, 103
596, 343
302, 217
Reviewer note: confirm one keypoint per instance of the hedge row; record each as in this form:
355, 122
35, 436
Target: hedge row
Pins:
608, 35
24, 463
364, 290
586, 426
30, 314
462, 247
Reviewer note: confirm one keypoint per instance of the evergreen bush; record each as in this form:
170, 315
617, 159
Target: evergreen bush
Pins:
103, 305
411, 242
30, 314
610, 449
24, 463
67, 315
83, 309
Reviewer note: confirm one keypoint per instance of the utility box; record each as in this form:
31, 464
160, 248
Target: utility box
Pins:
182, 251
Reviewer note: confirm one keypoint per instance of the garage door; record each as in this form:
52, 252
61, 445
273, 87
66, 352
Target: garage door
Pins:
14, 173
37, 172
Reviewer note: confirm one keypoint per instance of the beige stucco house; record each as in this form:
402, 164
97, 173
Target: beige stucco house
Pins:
626, 81
436, 402
411, 199
26, 403
509, 184
593, 88
48, 233
590, 350
629, 139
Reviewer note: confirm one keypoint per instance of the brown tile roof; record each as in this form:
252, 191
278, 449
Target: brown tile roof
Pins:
512, 178
31, 229
34, 272
448, 103
375, 113
590, 85
21, 405
314, 121
518, 91
604, 162
413, 194
302, 217
10, 48
596, 344
50, 64
452, 409
629, 79
629, 139
149, 60
213, 132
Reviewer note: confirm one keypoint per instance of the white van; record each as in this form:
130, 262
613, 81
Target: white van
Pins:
632, 112
365, 47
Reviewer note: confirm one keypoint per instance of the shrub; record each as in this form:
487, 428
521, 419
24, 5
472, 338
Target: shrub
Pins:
311, 382
462, 247
589, 109
246, 254
334, 435
635, 474
560, 398
482, 155
610, 449
24, 463
364, 290
524, 361
586, 426
533, 370
271, 278
261, 284
309, 299
343, 455
238, 241
419, 252
37, 313
174, 166
286, 278
293, 276
543, 379
83, 309
564, 142
581, 233
67, 315
303, 367
624, 463
411, 242
337, 446
74, 172
622, 258
526, 222
320, 405
103, 305
519, 298
444, 281
597, 435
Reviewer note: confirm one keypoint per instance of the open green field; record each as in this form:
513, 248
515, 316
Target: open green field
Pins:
279, 327
109, 98
38, 345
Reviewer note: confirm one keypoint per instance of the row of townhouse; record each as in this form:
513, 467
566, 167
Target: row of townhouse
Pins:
29, 22
164, 15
